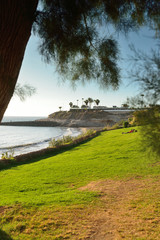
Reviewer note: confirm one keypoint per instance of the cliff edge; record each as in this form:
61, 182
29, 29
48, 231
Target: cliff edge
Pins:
88, 118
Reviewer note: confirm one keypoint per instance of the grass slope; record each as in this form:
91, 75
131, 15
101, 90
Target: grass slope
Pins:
55, 180
34, 195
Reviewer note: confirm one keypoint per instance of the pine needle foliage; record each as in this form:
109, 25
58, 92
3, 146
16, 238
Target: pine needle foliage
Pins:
150, 129
71, 37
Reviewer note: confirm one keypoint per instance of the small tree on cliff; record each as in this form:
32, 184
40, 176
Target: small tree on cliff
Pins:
69, 36
71, 104
86, 102
97, 101
90, 100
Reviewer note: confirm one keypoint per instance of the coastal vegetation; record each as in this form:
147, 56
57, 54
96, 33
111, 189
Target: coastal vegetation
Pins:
67, 195
149, 120
70, 139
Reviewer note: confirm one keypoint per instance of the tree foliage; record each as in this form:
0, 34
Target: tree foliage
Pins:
149, 120
70, 35
24, 91
136, 102
90, 101
97, 101
86, 102
146, 72
71, 104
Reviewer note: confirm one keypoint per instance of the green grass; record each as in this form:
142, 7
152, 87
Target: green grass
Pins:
40, 198
55, 180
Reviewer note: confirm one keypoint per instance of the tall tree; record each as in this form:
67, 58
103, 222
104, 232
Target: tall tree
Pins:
71, 104
90, 100
69, 33
97, 101
16, 19
146, 72
86, 102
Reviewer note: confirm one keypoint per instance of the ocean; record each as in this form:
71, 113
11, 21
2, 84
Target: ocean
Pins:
20, 140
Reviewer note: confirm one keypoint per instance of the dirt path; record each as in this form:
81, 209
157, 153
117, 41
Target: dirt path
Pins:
128, 210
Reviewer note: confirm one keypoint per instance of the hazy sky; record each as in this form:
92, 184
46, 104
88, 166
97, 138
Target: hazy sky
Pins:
52, 93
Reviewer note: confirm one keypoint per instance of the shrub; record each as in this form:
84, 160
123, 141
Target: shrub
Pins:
114, 126
88, 132
70, 139
67, 139
149, 120
61, 141
8, 155
126, 124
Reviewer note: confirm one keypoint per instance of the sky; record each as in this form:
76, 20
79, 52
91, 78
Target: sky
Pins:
52, 93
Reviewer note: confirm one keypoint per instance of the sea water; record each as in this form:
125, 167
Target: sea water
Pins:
20, 140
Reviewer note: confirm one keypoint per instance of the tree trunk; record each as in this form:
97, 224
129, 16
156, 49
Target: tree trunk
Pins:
16, 19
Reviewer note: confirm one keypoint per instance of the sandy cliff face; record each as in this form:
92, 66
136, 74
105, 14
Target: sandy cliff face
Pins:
89, 118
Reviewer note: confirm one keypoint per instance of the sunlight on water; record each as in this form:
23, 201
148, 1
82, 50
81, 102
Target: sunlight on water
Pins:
27, 139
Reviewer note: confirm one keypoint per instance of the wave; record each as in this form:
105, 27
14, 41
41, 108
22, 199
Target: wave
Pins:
26, 145
69, 131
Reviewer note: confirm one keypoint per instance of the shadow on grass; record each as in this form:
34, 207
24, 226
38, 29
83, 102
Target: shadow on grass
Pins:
4, 236
40, 155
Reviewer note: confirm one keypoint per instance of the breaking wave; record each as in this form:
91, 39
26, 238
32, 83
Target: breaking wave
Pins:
20, 140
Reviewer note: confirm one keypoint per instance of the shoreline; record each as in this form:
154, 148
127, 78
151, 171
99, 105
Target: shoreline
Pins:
47, 151
27, 148
82, 121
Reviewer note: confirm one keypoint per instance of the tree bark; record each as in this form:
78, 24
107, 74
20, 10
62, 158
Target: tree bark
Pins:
16, 19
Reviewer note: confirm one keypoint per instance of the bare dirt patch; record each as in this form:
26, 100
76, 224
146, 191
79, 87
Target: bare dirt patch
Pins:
127, 210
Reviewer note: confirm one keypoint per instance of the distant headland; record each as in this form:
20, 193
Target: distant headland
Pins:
78, 118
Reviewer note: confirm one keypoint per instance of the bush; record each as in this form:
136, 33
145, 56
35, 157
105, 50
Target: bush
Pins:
67, 139
149, 120
61, 141
126, 124
8, 155
70, 139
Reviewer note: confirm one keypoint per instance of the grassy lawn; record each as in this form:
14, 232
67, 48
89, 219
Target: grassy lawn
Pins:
43, 199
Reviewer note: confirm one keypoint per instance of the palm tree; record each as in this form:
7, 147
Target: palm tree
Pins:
142, 102
60, 108
97, 101
82, 100
90, 100
125, 105
71, 104
77, 102
86, 102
